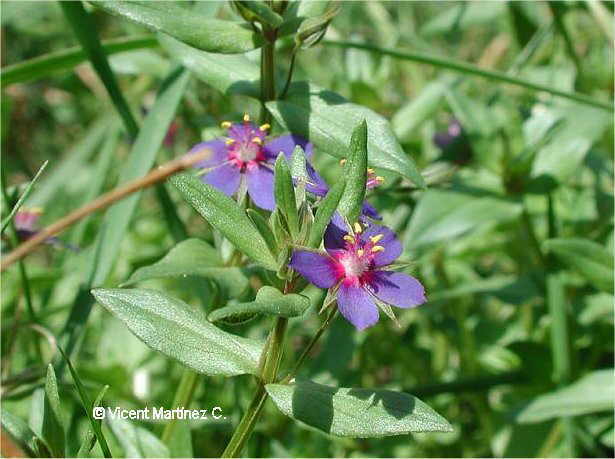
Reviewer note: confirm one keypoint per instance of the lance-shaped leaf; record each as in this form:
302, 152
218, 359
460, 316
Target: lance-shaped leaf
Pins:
592, 260
229, 74
355, 171
190, 27
327, 119
325, 211
357, 413
53, 426
226, 216
592, 393
194, 257
135, 440
177, 330
19, 431
269, 300
285, 195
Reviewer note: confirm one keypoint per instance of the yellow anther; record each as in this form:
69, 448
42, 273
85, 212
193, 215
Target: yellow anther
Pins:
360, 252
377, 248
370, 170
349, 238
357, 228
257, 140
343, 161
246, 117
380, 179
229, 141
225, 124
375, 239
265, 127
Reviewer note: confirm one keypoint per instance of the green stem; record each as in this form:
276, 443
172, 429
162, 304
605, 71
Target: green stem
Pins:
557, 9
268, 73
291, 69
470, 69
182, 399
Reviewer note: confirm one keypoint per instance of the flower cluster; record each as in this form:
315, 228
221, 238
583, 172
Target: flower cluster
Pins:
356, 263
26, 226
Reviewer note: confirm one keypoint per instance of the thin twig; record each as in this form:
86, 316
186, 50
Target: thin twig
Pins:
155, 176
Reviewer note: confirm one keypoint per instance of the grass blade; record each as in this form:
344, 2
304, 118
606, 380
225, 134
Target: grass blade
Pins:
470, 69
84, 29
23, 197
87, 406
47, 64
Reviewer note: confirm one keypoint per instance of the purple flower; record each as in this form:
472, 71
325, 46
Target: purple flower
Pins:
454, 143
246, 154
26, 227
355, 264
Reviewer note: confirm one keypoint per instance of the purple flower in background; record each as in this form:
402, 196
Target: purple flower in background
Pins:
26, 227
355, 264
454, 143
246, 154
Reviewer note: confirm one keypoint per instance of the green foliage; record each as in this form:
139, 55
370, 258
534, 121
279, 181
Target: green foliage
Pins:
356, 175
179, 331
361, 413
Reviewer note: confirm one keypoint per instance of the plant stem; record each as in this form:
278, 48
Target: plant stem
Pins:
470, 69
182, 399
155, 176
310, 345
290, 73
268, 72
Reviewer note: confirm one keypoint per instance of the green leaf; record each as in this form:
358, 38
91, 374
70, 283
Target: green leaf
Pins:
188, 26
177, 330
226, 216
269, 300
325, 211
53, 425
19, 431
590, 259
48, 64
355, 171
264, 229
136, 441
138, 163
88, 406
285, 195
357, 413
327, 119
441, 215
462, 16
194, 257
592, 393
313, 29
86, 32
229, 74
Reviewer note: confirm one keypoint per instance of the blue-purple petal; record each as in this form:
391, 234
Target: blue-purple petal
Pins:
335, 232
316, 184
218, 153
286, 144
396, 289
317, 268
260, 187
225, 178
357, 306
367, 210
392, 246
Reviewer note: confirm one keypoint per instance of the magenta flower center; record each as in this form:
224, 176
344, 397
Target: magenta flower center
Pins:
355, 261
245, 144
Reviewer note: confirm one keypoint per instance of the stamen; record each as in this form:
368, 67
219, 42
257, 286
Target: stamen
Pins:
343, 161
349, 238
229, 141
375, 239
357, 228
377, 248
257, 140
265, 127
370, 170
360, 252
246, 117
379, 179
225, 124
